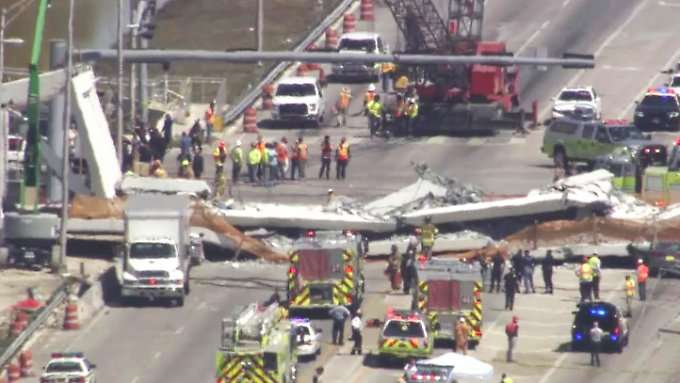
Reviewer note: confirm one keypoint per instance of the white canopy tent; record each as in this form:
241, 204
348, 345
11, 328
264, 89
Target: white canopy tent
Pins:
465, 368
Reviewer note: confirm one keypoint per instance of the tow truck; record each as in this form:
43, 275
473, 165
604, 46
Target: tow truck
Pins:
258, 345
448, 290
326, 270
71, 367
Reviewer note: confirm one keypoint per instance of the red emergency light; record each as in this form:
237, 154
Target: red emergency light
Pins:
310, 234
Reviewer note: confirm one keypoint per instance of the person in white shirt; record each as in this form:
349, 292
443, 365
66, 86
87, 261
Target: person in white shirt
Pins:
596, 335
357, 327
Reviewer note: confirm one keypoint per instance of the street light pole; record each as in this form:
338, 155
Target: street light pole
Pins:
119, 134
66, 163
3, 24
259, 26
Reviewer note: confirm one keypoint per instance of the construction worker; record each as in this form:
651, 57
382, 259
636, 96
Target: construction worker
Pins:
392, 270
326, 153
411, 116
185, 169
547, 266
585, 276
596, 335
630, 294
282, 157
262, 166
220, 180
342, 106
254, 159
511, 331
642, 275
528, 265
302, 154
220, 153
462, 334
387, 71
369, 95
408, 264
374, 110
506, 379
342, 156
595, 264
236, 162
511, 286
428, 232
273, 166
497, 264
357, 328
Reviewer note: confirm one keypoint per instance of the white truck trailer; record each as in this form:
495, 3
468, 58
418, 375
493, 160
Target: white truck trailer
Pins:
156, 257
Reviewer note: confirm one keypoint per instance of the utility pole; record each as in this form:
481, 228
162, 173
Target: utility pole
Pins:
66, 163
119, 115
3, 24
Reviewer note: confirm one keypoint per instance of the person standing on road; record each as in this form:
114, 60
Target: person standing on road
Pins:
408, 262
254, 159
302, 156
596, 334
339, 315
585, 276
428, 232
642, 275
197, 163
630, 294
547, 267
497, 264
392, 270
374, 110
342, 106
184, 145
294, 161
342, 156
282, 157
357, 336
167, 129
511, 331
528, 272
511, 288
326, 152
236, 162
518, 265
411, 116
595, 264
273, 166
462, 335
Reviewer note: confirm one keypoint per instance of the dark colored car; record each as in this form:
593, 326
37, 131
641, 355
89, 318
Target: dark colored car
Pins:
661, 257
658, 110
609, 318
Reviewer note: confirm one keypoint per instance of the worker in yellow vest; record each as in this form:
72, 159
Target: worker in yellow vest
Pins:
411, 115
630, 294
387, 71
595, 264
254, 159
428, 233
374, 110
585, 276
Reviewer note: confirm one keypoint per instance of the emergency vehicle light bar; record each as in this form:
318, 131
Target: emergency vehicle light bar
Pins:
67, 355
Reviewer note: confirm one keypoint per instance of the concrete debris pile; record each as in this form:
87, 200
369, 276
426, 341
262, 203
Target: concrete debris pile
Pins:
447, 242
429, 191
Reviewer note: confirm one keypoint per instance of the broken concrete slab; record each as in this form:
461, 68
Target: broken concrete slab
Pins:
450, 242
135, 184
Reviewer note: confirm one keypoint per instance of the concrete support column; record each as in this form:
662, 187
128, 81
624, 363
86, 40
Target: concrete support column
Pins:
56, 131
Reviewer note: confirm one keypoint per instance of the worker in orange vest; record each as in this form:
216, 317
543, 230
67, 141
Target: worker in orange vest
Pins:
302, 150
342, 106
342, 156
264, 159
642, 275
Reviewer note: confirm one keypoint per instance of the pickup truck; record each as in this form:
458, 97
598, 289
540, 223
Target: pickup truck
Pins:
299, 99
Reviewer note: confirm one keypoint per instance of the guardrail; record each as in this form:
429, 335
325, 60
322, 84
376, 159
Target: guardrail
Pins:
247, 100
55, 300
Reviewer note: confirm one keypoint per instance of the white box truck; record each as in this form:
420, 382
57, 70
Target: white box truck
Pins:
156, 259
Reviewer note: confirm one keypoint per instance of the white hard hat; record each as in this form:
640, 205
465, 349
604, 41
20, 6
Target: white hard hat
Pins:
371, 88
238, 142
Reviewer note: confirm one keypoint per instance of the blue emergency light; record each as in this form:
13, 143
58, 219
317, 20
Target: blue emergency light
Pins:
598, 312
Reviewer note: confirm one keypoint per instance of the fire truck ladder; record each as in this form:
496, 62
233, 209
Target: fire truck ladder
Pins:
421, 24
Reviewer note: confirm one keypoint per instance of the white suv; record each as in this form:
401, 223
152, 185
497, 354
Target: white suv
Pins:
577, 102
298, 99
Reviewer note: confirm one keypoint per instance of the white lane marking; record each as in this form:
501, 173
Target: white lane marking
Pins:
577, 76
533, 36
157, 355
135, 379
621, 68
650, 83
179, 331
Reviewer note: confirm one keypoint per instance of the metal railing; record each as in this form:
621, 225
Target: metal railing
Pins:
249, 98
14, 347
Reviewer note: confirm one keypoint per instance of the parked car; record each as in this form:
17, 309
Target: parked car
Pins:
659, 109
582, 100
662, 257
608, 317
308, 338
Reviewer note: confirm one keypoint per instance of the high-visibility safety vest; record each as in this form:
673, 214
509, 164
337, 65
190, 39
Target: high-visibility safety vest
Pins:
585, 272
506, 380
374, 108
343, 100
254, 156
630, 288
595, 264
388, 67
642, 273
302, 151
343, 152
401, 83
412, 111
237, 155
427, 233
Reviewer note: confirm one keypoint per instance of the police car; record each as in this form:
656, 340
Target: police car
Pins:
609, 318
658, 109
307, 338
405, 334
68, 367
